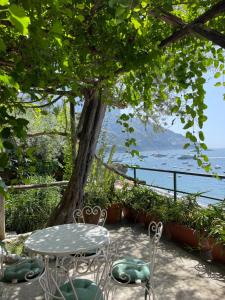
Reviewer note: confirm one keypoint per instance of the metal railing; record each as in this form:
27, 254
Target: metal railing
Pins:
175, 173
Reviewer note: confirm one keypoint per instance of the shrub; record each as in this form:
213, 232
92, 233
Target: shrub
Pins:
29, 210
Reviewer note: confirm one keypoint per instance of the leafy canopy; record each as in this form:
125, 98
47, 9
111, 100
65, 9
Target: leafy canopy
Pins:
63, 47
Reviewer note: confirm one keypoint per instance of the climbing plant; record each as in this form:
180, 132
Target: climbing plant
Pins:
115, 53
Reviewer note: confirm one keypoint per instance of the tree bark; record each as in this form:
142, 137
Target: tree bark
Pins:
73, 135
88, 132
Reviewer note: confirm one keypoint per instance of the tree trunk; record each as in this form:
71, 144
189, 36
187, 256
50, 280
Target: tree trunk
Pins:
73, 135
88, 132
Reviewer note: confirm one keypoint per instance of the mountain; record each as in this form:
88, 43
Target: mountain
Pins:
145, 135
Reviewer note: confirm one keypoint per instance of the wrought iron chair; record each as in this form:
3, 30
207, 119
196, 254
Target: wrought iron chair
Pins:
65, 280
133, 271
93, 215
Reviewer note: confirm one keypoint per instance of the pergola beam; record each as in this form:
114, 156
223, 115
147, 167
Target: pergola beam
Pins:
195, 27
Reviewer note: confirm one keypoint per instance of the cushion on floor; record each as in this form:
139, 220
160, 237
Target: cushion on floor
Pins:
130, 270
85, 290
19, 271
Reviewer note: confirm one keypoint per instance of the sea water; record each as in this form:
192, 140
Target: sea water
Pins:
180, 160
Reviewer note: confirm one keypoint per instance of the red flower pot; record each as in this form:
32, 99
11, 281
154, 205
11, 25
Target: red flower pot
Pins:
91, 218
218, 251
183, 234
141, 217
114, 213
129, 214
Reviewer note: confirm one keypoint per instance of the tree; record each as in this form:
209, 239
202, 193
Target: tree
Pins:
113, 53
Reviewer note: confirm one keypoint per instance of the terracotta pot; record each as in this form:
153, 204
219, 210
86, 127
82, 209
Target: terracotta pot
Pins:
149, 218
218, 251
114, 213
129, 214
92, 218
183, 234
141, 217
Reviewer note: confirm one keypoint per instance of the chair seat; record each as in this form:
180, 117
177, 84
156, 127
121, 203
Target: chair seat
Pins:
130, 270
26, 269
85, 290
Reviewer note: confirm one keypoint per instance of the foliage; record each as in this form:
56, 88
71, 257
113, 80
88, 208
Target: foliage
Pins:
209, 220
138, 197
100, 189
183, 210
29, 210
66, 47
16, 246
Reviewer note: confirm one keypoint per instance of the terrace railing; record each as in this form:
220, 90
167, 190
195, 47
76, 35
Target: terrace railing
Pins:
175, 178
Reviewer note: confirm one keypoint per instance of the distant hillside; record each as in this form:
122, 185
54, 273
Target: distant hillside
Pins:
146, 137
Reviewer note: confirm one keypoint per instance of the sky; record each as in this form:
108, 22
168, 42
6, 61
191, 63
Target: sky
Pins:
214, 127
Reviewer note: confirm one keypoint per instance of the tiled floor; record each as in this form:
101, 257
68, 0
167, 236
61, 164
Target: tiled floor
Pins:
179, 275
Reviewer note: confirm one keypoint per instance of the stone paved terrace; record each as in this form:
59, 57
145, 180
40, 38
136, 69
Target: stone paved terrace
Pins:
179, 275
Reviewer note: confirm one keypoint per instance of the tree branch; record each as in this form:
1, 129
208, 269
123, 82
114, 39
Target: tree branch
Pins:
46, 104
111, 168
41, 133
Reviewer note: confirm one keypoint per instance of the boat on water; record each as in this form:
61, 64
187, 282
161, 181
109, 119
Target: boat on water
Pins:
217, 167
186, 156
159, 155
143, 156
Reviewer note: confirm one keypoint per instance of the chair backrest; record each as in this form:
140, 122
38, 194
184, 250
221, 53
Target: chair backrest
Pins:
93, 215
64, 279
133, 251
154, 232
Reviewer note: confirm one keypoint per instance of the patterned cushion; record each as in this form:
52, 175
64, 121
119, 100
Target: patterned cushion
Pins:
28, 267
85, 290
130, 270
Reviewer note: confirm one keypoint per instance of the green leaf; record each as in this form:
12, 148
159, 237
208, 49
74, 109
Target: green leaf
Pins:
3, 160
201, 135
2, 46
135, 23
120, 11
203, 146
19, 19
8, 145
57, 27
80, 18
218, 83
6, 132
135, 152
186, 145
124, 117
189, 124
8, 81
217, 75
4, 2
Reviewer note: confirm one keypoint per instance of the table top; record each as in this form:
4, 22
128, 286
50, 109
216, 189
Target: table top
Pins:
67, 239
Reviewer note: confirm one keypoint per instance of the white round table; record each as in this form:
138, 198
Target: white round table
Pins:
67, 239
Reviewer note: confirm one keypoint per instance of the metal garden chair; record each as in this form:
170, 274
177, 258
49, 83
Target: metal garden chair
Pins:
68, 279
93, 215
127, 270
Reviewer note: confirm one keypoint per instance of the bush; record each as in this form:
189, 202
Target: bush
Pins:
29, 210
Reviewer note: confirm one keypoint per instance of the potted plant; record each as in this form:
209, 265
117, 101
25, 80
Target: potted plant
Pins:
95, 196
180, 216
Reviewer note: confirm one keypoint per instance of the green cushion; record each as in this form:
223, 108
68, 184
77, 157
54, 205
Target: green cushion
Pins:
130, 270
85, 290
19, 271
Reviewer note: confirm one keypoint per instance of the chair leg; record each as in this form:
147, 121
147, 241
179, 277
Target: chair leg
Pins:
147, 295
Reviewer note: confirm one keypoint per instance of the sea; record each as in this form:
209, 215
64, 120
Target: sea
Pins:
180, 160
